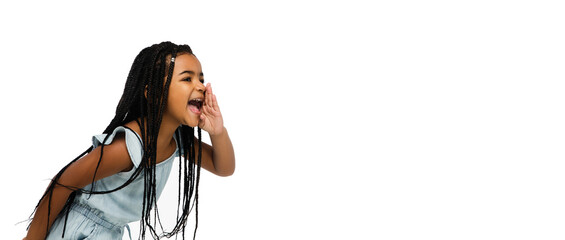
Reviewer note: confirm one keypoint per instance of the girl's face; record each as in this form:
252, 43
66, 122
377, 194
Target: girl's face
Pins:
186, 92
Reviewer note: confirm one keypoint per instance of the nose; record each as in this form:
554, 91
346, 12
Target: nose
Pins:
200, 87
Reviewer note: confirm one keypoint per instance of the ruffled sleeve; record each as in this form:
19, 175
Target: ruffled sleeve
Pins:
133, 143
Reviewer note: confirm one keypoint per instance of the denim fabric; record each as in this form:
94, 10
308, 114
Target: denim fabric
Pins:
103, 216
85, 223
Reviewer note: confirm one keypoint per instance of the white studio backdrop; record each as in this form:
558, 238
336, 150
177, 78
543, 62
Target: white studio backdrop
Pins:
350, 119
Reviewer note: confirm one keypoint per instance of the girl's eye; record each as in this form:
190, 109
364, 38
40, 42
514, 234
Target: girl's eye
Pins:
190, 79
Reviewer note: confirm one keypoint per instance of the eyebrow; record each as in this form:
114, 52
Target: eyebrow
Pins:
191, 72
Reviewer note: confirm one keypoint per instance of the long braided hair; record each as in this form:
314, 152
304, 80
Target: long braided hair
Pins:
149, 69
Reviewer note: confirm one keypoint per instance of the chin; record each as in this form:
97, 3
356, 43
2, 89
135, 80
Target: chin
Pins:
191, 123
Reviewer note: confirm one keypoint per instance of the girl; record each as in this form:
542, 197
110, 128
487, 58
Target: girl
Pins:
120, 177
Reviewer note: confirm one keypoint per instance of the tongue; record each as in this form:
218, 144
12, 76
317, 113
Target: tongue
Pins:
193, 108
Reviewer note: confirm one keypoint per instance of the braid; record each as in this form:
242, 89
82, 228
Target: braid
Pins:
151, 66
198, 179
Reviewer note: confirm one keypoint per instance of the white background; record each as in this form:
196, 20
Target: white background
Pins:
350, 119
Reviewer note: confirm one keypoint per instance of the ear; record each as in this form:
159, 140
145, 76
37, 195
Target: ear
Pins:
145, 92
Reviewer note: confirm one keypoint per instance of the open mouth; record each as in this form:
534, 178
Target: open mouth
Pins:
195, 105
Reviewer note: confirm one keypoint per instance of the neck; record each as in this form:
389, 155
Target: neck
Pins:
166, 132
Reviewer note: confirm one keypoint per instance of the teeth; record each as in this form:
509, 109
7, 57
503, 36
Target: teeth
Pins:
197, 102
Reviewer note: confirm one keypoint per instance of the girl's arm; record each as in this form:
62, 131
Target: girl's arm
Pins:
218, 158
79, 174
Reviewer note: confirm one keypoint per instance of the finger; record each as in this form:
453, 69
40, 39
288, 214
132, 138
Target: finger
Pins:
202, 121
206, 93
206, 110
209, 95
215, 103
201, 124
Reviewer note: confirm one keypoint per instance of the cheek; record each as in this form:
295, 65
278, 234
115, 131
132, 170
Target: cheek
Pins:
178, 96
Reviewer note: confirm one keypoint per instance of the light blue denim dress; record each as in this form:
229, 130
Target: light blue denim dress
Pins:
104, 216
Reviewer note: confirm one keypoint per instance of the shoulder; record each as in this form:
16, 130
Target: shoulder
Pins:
118, 146
123, 140
116, 154
134, 127
101, 162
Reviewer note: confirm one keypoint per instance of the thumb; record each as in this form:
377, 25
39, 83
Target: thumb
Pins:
201, 121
